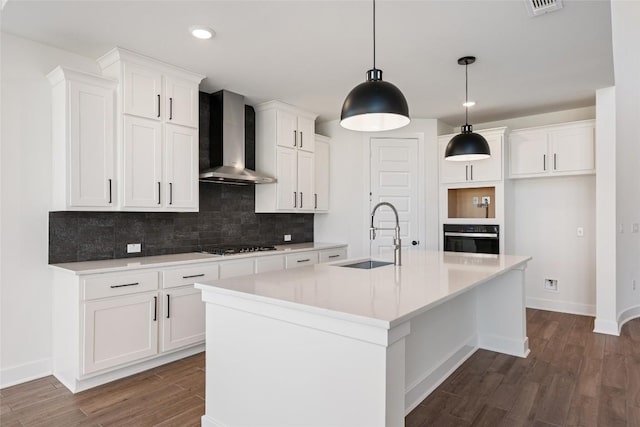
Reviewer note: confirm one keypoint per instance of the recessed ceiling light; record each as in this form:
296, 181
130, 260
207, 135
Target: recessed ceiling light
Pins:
201, 32
469, 104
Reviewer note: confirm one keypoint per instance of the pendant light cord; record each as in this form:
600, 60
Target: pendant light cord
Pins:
374, 34
466, 94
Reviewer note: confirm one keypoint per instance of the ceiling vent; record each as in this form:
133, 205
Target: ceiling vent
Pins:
540, 7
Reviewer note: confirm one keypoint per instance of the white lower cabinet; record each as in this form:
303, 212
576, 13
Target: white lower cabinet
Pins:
239, 267
330, 255
301, 259
269, 263
183, 318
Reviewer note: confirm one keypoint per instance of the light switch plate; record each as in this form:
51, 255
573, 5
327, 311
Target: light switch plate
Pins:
134, 248
580, 231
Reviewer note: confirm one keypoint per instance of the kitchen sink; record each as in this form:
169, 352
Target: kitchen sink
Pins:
368, 265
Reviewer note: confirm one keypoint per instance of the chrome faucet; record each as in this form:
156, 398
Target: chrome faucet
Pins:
397, 257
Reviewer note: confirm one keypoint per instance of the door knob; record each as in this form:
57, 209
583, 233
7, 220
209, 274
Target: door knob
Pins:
415, 242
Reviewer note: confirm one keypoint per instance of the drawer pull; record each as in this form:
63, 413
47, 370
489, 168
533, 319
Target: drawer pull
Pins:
155, 309
334, 256
304, 260
192, 276
168, 306
122, 286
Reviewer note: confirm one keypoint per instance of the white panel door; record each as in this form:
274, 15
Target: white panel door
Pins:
286, 129
181, 102
142, 163
286, 171
119, 330
183, 318
306, 134
488, 169
573, 149
142, 91
528, 153
306, 176
321, 197
92, 145
181, 167
394, 179
451, 172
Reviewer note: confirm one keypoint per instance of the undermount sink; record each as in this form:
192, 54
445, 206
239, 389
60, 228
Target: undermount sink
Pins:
368, 265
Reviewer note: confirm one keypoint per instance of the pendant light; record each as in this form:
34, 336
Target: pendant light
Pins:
374, 105
467, 145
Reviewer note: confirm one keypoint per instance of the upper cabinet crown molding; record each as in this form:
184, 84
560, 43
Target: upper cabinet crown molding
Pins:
283, 106
60, 74
121, 54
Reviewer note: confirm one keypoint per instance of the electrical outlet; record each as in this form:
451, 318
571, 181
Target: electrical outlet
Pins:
551, 285
636, 227
621, 228
287, 237
633, 284
134, 248
580, 231
475, 201
486, 200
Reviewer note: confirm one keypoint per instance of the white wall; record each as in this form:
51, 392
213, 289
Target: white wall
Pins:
348, 220
625, 16
542, 119
25, 280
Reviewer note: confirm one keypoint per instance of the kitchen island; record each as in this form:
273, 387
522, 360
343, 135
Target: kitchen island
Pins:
329, 345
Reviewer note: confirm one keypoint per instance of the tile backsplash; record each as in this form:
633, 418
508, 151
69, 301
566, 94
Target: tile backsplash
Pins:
226, 217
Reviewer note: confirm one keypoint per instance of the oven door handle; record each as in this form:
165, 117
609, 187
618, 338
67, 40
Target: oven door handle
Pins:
487, 235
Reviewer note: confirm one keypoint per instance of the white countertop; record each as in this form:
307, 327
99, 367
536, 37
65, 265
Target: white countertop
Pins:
384, 296
123, 264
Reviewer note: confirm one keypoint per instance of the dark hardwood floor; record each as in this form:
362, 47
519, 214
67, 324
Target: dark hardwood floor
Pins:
572, 377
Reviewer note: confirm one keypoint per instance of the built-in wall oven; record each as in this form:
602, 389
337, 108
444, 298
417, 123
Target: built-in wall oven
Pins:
474, 238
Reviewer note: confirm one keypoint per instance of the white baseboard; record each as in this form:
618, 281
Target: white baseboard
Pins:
424, 386
25, 372
207, 421
561, 306
603, 326
519, 348
626, 315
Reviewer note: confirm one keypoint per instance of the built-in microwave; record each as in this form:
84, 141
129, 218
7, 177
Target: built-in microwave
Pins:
474, 238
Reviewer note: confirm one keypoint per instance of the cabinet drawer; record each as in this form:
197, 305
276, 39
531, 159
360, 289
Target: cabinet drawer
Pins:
301, 259
269, 263
188, 275
110, 285
240, 267
329, 255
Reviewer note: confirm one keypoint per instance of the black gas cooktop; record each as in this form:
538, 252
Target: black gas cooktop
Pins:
234, 250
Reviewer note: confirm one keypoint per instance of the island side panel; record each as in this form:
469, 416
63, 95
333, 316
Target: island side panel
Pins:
441, 339
501, 314
272, 372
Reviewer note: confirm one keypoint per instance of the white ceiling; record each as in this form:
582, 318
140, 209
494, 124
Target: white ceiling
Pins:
312, 53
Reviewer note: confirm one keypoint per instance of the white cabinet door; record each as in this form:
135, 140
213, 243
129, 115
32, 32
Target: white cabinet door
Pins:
528, 153
321, 197
142, 163
91, 145
183, 318
306, 134
286, 129
450, 171
286, 171
239, 267
181, 102
573, 149
306, 175
119, 330
488, 169
181, 167
142, 91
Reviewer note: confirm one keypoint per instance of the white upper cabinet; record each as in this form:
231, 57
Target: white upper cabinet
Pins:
452, 172
84, 173
159, 113
321, 166
564, 149
285, 143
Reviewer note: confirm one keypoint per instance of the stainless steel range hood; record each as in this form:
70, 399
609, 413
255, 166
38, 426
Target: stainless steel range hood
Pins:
227, 143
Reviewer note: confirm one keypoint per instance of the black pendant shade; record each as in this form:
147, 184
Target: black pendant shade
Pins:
467, 145
374, 105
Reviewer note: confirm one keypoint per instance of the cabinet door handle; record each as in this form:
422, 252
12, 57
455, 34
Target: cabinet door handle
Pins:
304, 260
301, 199
295, 199
122, 286
155, 309
295, 138
555, 162
168, 306
466, 172
300, 139
315, 195
544, 162
170, 108
334, 256
171, 193
471, 172
110, 193
193, 275
158, 105
159, 193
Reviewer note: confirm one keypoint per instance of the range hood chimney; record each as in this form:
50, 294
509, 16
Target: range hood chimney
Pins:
227, 143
